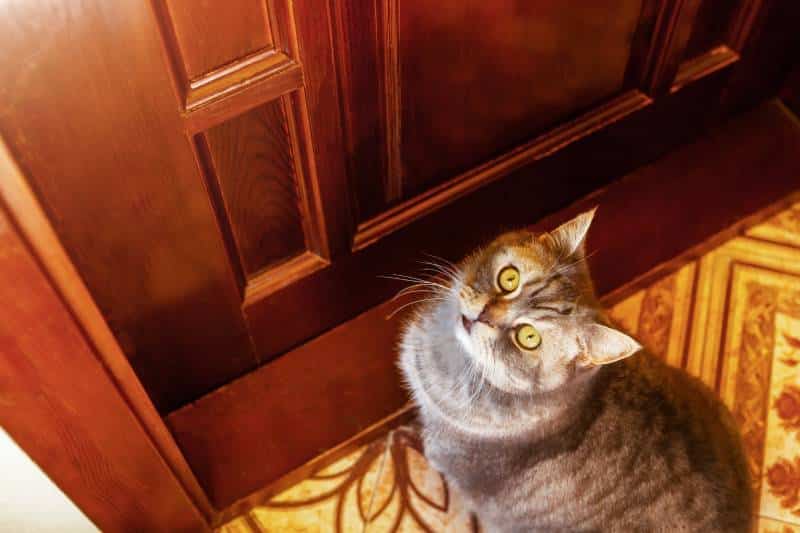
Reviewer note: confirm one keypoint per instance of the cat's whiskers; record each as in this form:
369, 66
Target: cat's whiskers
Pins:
444, 262
462, 379
420, 300
447, 271
426, 291
465, 379
479, 385
479, 372
414, 288
563, 268
440, 283
438, 286
440, 277
414, 279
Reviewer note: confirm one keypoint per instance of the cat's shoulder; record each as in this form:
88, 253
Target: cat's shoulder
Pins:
646, 379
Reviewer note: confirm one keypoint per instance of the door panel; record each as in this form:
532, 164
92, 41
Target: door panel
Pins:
231, 180
478, 78
430, 94
251, 156
90, 112
251, 127
712, 25
209, 37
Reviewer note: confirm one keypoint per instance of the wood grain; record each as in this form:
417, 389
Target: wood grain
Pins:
359, 64
347, 377
540, 147
762, 34
320, 125
403, 416
266, 282
267, 73
672, 30
450, 88
712, 26
253, 162
310, 407
645, 42
33, 227
264, 67
703, 65
68, 396
498, 73
268, 78
790, 91
101, 139
391, 92
209, 37
748, 18
592, 158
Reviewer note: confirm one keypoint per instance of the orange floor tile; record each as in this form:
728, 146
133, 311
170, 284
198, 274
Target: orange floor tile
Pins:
731, 317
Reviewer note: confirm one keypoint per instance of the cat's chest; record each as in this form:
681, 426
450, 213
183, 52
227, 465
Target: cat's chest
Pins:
570, 466
524, 484
492, 468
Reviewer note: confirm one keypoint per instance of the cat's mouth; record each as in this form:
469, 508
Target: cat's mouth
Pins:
467, 323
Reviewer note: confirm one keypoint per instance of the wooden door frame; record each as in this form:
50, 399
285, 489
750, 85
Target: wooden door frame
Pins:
77, 409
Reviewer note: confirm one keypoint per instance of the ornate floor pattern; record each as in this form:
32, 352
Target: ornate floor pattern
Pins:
730, 317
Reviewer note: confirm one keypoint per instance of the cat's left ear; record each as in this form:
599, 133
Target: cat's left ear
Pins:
606, 345
569, 237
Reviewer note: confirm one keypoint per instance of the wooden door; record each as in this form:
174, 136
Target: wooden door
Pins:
171, 145
232, 178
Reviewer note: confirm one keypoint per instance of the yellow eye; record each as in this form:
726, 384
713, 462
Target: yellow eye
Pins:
508, 279
527, 337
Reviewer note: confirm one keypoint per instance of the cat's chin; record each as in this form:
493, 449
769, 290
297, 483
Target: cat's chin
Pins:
464, 339
496, 374
470, 338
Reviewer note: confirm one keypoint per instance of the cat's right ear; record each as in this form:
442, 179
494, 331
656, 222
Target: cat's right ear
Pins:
569, 237
606, 345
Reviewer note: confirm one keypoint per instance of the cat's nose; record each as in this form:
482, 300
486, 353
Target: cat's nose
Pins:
486, 316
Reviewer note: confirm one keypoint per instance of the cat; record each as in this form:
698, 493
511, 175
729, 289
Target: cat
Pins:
546, 418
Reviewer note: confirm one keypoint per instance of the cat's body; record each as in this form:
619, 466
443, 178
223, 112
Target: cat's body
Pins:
567, 443
624, 450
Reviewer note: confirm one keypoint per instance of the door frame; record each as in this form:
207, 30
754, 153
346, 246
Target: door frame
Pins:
77, 409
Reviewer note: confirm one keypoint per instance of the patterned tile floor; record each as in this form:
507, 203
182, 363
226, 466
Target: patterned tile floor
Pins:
731, 317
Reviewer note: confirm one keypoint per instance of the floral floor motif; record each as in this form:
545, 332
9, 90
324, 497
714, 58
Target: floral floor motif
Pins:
730, 317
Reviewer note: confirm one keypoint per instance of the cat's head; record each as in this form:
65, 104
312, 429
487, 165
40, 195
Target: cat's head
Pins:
526, 312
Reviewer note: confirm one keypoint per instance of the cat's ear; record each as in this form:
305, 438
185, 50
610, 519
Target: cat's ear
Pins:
606, 345
569, 237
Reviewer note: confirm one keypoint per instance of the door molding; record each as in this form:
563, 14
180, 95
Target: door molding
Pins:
68, 395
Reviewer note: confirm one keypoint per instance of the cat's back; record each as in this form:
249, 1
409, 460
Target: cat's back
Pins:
655, 450
667, 452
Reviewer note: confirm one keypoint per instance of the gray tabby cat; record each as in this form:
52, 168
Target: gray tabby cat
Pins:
547, 419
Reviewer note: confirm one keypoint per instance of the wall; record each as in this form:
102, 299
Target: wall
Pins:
29, 501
